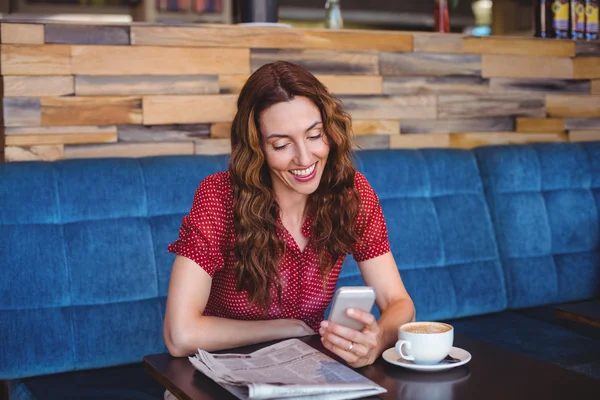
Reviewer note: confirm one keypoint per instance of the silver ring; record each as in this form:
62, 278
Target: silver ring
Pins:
349, 349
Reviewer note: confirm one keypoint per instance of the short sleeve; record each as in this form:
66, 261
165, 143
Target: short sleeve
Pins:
370, 224
202, 236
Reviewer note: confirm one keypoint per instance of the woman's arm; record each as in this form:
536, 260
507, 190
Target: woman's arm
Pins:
363, 348
186, 329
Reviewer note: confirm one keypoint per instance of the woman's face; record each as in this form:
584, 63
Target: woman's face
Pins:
294, 145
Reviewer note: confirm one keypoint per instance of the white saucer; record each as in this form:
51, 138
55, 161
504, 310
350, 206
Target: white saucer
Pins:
392, 357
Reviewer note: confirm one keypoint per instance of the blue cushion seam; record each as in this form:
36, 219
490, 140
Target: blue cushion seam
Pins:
547, 214
147, 219
69, 306
490, 193
67, 264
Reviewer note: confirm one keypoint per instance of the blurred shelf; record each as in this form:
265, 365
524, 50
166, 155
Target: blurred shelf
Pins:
145, 11
377, 18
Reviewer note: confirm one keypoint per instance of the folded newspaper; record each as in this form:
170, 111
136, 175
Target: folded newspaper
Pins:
288, 369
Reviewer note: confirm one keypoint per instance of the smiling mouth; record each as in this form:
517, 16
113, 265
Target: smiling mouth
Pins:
304, 172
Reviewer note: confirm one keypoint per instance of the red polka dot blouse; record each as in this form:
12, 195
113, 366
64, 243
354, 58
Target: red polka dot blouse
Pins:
207, 237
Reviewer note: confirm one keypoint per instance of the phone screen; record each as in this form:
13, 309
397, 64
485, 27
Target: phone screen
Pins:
359, 297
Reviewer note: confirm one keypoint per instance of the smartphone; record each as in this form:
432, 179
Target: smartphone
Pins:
359, 297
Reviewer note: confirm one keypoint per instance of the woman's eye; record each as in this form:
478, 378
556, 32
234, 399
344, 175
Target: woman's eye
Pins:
280, 147
315, 137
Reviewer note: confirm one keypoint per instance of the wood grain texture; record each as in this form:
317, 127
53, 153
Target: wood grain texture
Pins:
138, 60
185, 109
582, 124
22, 33
585, 48
37, 86
586, 68
86, 85
22, 59
584, 136
267, 37
101, 110
519, 46
62, 130
429, 64
485, 106
540, 125
559, 105
163, 133
507, 66
35, 140
376, 127
458, 125
337, 84
419, 141
129, 150
390, 107
323, 62
212, 146
350, 84
34, 153
18, 111
595, 89
372, 142
220, 130
436, 43
471, 140
509, 85
87, 34
435, 85
232, 84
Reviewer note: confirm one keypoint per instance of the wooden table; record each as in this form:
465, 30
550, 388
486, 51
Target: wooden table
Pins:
492, 373
587, 312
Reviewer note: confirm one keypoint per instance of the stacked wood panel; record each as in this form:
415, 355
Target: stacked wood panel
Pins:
73, 91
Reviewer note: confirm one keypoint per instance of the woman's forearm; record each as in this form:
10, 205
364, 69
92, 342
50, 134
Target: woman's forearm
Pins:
214, 333
395, 315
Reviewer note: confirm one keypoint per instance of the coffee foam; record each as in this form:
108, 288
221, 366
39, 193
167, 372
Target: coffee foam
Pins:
427, 328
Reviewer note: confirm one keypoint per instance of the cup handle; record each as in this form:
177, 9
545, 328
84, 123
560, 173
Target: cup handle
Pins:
399, 345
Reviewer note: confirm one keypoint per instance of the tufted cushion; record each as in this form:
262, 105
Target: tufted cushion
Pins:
84, 260
439, 229
544, 203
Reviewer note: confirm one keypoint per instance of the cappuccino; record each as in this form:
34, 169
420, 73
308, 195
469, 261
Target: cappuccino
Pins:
427, 327
424, 342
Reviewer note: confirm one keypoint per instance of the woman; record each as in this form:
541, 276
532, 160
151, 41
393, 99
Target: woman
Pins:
260, 252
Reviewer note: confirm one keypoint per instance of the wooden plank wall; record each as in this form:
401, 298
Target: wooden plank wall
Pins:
76, 91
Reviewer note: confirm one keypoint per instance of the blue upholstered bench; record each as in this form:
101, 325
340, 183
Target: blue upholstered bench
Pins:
487, 239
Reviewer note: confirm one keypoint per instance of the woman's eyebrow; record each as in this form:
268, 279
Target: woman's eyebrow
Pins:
312, 126
281, 135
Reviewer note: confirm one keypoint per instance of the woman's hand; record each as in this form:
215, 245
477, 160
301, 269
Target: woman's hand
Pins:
357, 348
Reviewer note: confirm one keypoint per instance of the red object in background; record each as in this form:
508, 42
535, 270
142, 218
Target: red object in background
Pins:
441, 16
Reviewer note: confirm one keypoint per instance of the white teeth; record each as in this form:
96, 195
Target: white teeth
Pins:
304, 172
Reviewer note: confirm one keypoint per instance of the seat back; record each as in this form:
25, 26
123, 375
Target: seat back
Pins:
439, 228
83, 257
544, 201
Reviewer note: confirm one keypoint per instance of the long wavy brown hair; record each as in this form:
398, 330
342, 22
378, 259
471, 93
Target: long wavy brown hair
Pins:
334, 205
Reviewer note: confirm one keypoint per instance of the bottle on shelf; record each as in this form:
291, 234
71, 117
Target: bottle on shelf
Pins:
542, 13
560, 18
577, 14
441, 16
591, 20
333, 15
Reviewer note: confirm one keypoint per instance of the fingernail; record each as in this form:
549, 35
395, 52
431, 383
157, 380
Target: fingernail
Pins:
324, 324
350, 311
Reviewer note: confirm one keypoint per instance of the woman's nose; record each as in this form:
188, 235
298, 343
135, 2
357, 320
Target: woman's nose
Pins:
303, 157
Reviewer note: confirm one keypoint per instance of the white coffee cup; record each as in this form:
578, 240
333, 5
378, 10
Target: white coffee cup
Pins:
425, 343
